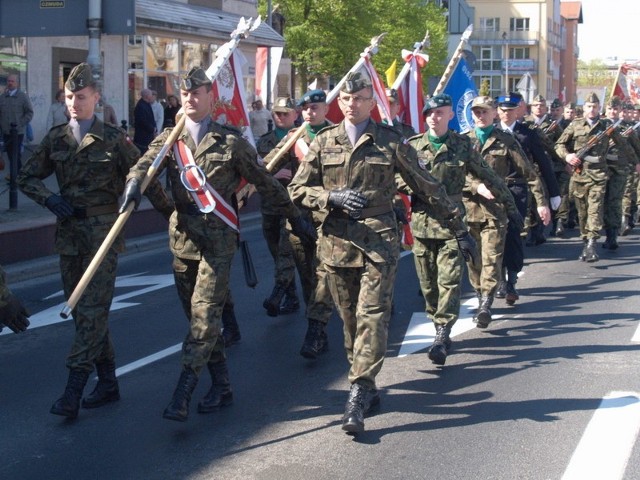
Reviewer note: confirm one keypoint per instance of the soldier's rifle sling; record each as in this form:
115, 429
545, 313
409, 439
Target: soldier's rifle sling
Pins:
242, 31
593, 141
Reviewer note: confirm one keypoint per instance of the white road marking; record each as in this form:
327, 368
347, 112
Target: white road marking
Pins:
608, 440
636, 336
420, 332
148, 359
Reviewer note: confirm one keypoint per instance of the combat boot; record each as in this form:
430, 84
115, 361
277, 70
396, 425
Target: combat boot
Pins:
590, 251
501, 290
69, 404
512, 294
107, 389
220, 394
441, 344
315, 340
483, 317
611, 242
362, 400
230, 330
178, 408
583, 255
272, 304
628, 225
559, 230
291, 303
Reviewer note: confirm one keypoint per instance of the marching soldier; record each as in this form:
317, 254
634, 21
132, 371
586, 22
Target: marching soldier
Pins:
620, 163
204, 233
630, 197
449, 157
349, 174
589, 179
273, 224
487, 218
90, 160
394, 108
12, 312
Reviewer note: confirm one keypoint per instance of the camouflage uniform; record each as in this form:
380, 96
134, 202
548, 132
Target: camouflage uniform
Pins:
588, 186
360, 256
487, 219
202, 244
12, 313
91, 177
436, 253
630, 196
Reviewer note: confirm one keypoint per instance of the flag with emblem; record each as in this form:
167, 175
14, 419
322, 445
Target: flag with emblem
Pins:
463, 90
625, 85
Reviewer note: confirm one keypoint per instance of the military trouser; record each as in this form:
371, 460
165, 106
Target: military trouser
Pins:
490, 237
630, 197
277, 237
313, 278
363, 297
562, 214
588, 193
513, 259
92, 341
203, 288
439, 268
614, 191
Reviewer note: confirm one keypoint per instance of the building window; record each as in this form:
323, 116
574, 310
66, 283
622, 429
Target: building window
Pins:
490, 58
519, 52
489, 24
519, 24
13, 60
494, 82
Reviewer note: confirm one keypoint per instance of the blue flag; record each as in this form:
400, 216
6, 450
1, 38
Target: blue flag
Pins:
462, 90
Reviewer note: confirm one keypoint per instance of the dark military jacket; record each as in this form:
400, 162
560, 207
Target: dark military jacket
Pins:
620, 157
225, 158
549, 131
89, 175
450, 165
503, 154
534, 148
266, 146
576, 136
369, 167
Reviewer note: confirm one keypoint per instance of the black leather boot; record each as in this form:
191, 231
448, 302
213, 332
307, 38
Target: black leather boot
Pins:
627, 226
220, 394
178, 408
611, 241
362, 400
291, 303
559, 229
441, 344
272, 304
230, 330
583, 255
512, 294
483, 317
106, 390
69, 404
315, 340
590, 251
501, 290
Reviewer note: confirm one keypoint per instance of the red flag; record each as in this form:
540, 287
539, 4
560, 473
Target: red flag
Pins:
625, 86
409, 90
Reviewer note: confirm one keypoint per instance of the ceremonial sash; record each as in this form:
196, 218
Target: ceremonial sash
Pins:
203, 194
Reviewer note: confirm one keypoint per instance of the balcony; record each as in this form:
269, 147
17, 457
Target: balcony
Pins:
517, 65
529, 37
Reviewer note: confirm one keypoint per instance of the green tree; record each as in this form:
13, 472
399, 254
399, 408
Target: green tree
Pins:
485, 87
322, 39
593, 74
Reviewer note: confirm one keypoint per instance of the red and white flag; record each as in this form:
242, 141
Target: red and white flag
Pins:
625, 86
261, 71
409, 88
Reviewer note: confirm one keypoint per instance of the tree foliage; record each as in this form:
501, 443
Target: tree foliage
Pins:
323, 39
593, 74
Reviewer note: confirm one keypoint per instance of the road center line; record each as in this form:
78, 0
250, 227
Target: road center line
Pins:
607, 442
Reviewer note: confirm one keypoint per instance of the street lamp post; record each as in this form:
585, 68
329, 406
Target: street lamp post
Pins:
506, 61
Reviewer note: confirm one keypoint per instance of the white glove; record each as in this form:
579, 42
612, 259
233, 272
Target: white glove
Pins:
555, 202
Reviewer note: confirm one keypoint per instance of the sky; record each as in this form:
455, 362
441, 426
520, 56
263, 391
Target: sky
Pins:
609, 29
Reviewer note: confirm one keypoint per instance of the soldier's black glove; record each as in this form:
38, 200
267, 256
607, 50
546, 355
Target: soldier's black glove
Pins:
59, 206
349, 200
468, 247
516, 222
401, 216
303, 229
14, 315
132, 193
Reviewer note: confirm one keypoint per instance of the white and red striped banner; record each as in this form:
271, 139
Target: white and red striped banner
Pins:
261, 71
409, 91
625, 86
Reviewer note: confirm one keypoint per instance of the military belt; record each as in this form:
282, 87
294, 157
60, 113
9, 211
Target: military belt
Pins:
86, 212
366, 212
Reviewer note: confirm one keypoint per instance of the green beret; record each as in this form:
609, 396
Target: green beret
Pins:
194, 79
592, 98
313, 96
283, 104
80, 77
355, 82
439, 100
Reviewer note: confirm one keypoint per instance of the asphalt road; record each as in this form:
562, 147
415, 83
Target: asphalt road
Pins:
549, 391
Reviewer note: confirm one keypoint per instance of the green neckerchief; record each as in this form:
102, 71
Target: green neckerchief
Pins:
483, 133
313, 130
281, 133
437, 142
